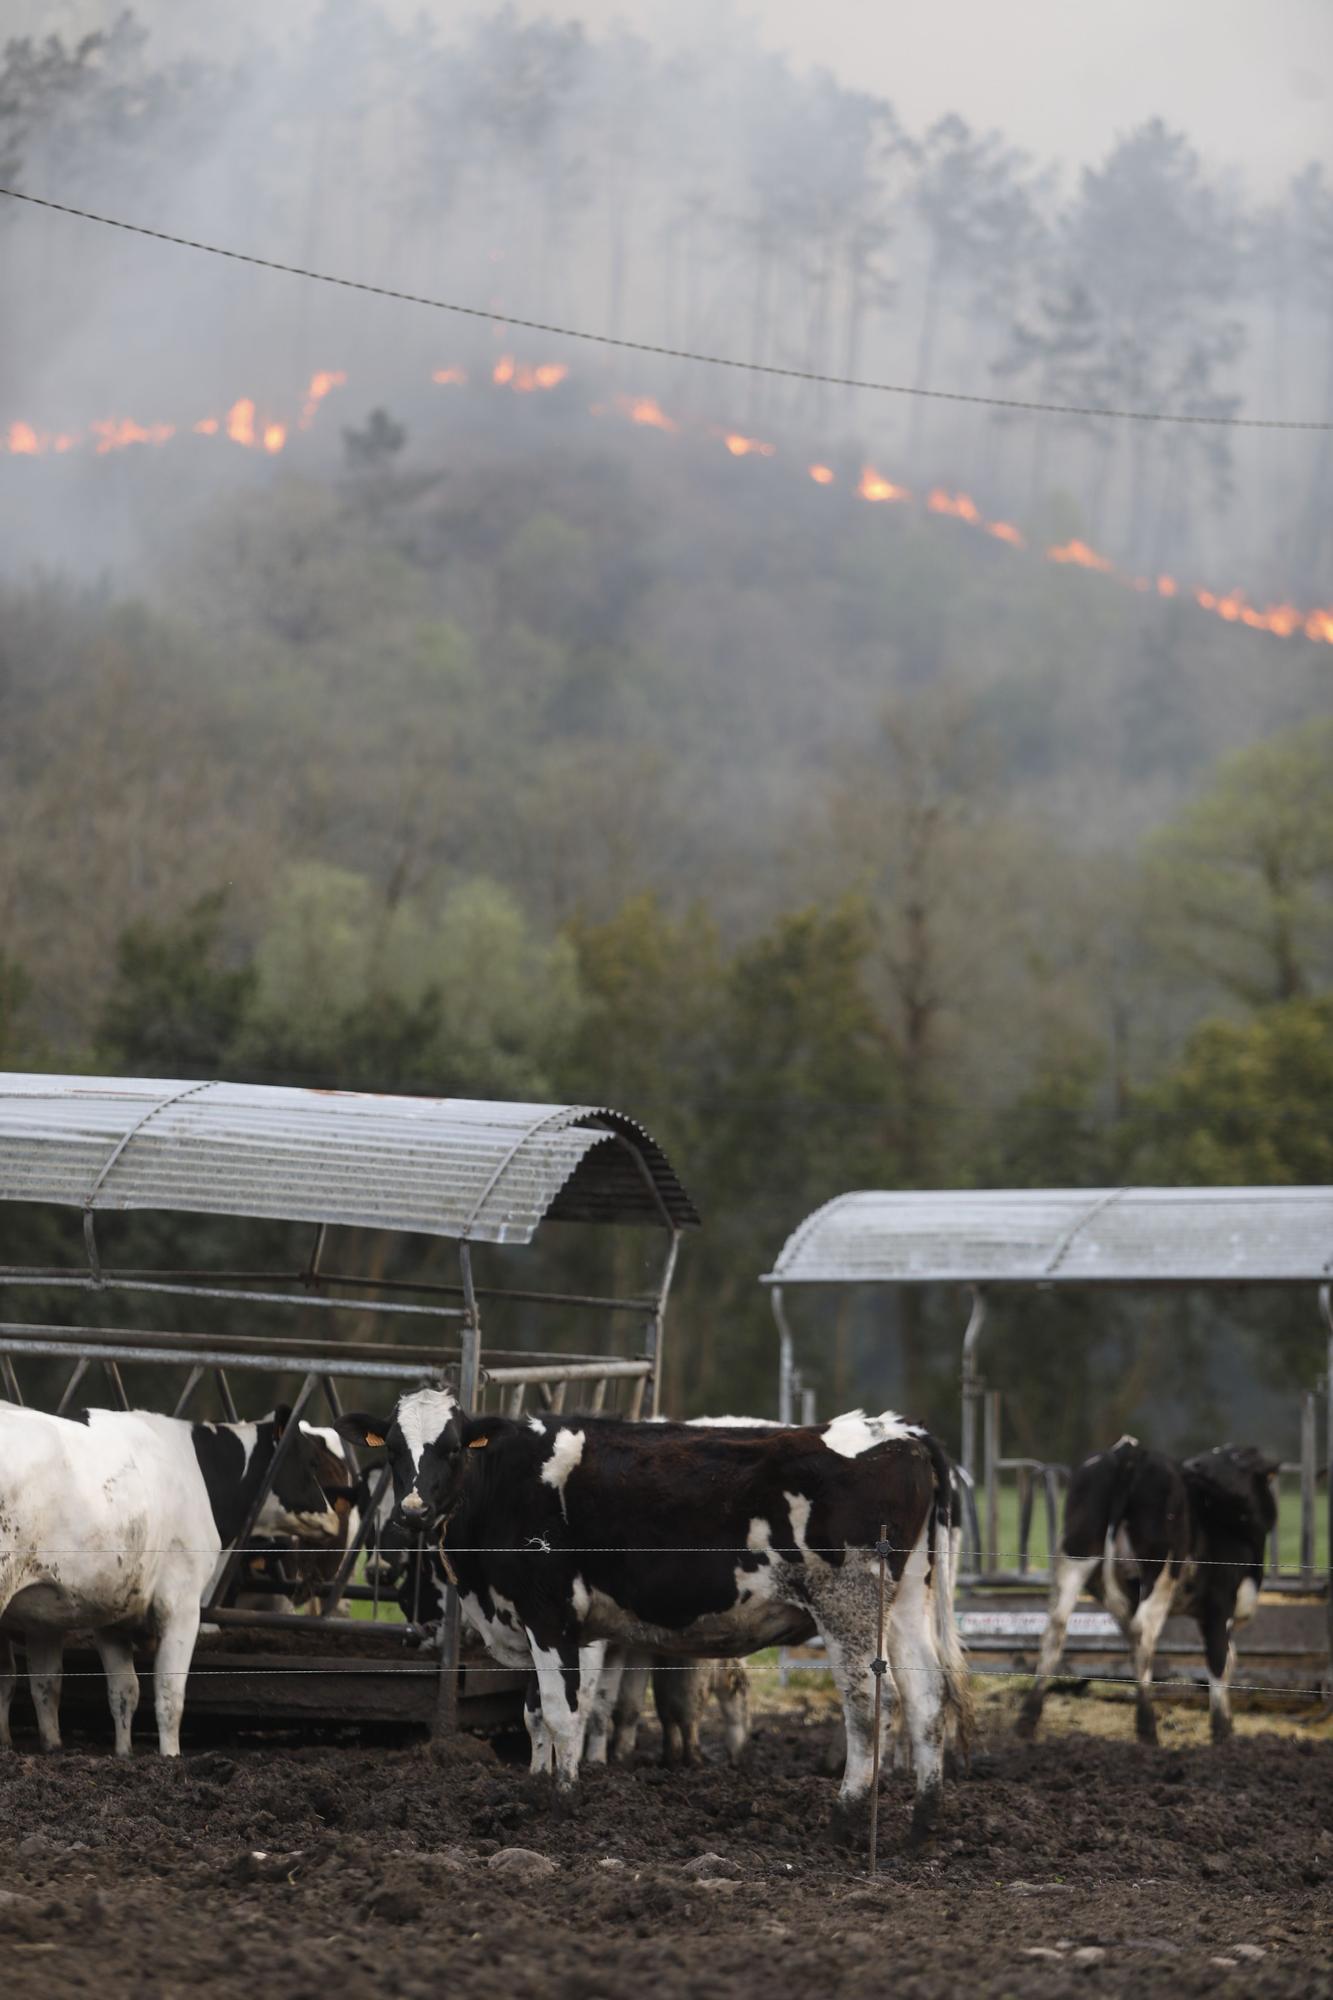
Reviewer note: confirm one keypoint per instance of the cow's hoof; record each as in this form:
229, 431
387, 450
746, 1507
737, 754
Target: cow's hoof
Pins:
1221, 1727
925, 1819
1145, 1723
850, 1822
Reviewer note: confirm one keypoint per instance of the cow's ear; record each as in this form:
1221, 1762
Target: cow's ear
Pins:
360, 1429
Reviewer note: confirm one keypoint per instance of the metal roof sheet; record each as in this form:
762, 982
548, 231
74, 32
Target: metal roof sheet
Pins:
446, 1166
1064, 1236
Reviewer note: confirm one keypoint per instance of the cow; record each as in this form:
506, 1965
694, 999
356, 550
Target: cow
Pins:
566, 1539
276, 1573
681, 1688
114, 1521
1148, 1535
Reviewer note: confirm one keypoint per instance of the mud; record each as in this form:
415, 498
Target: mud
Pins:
316, 1870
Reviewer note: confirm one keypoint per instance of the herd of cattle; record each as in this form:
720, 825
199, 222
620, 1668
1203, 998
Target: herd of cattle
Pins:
592, 1553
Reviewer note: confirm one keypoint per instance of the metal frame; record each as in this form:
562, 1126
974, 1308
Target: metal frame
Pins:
979, 1267
433, 1306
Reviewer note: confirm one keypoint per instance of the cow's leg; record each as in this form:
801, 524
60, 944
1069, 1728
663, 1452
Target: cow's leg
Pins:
732, 1688
598, 1739
8, 1682
1068, 1580
1220, 1654
845, 1608
919, 1674
44, 1650
122, 1685
563, 1669
1145, 1630
179, 1627
539, 1736
629, 1705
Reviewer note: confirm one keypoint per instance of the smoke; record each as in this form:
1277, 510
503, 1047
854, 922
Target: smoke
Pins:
700, 189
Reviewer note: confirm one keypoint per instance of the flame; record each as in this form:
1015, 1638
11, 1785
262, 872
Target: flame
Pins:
1082, 555
960, 505
241, 426
742, 447
114, 433
321, 382
645, 410
241, 422
510, 374
875, 487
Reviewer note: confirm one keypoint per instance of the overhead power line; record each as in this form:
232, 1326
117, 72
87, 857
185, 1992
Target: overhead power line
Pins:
1220, 422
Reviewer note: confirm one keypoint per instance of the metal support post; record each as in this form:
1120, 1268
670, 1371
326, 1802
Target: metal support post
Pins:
656, 1330
451, 1627
972, 1381
992, 1478
1309, 1452
1325, 1307
786, 1360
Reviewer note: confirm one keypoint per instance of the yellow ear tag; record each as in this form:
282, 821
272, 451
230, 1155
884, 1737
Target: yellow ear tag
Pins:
374, 1440
478, 1443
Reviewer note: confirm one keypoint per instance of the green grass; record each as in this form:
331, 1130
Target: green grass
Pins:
1289, 1529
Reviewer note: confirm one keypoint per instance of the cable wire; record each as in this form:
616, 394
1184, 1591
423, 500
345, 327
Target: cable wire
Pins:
1031, 407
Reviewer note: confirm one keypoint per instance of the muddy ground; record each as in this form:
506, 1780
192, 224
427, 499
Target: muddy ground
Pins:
310, 1870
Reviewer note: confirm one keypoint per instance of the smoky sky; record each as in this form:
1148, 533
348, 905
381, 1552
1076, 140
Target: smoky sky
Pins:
1250, 81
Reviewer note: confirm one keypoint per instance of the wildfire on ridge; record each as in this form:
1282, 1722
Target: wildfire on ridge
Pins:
874, 487
243, 426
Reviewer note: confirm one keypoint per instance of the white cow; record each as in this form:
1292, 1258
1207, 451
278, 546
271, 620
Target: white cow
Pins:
114, 1522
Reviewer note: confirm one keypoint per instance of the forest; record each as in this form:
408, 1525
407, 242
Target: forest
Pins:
480, 742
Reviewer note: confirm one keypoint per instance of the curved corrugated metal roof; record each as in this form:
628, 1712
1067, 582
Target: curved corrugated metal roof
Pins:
1064, 1236
447, 1166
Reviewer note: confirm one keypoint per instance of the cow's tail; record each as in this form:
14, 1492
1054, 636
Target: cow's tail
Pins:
1129, 1456
948, 1640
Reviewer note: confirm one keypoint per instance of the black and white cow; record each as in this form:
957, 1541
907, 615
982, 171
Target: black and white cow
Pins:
113, 1523
568, 1539
1147, 1536
283, 1573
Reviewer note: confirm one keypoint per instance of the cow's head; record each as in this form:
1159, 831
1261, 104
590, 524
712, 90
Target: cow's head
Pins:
424, 1442
299, 1504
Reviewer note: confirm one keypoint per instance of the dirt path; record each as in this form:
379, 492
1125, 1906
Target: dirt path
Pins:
382, 1872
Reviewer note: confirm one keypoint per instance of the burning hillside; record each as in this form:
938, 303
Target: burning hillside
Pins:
245, 423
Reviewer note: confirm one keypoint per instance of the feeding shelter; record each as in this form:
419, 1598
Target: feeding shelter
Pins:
333, 1176
982, 1240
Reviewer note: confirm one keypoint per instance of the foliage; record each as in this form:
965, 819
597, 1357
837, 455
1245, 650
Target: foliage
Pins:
1242, 884
1247, 1104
